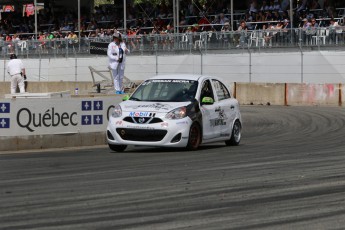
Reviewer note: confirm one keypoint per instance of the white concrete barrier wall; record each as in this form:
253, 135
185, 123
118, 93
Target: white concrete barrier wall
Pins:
318, 67
47, 123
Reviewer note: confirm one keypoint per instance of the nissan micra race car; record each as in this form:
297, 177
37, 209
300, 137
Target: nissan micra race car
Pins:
176, 111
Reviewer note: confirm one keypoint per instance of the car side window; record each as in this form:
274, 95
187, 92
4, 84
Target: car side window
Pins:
206, 90
221, 91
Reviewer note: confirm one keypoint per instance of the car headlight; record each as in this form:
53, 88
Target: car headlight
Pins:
117, 111
178, 113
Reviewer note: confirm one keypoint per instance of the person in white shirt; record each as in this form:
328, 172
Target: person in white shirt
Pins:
117, 59
16, 70
122, 63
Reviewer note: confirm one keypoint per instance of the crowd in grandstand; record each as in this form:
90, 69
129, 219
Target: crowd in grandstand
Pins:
102, 23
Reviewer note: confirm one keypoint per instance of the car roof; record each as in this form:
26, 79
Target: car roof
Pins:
183, 77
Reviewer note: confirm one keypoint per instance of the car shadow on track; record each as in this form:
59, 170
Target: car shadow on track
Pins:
142, 149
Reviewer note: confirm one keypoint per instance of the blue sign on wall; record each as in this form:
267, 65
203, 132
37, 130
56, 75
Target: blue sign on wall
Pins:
86, 119
5, 107
4, 123
98, 119
86, 106
98, 105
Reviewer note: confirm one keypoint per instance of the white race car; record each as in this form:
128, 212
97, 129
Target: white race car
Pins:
176, 111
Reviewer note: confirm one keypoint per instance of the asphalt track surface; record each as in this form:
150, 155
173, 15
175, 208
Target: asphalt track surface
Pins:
288, 173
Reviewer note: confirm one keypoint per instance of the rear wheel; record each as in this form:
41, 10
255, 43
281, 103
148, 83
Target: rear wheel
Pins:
235, 134
194, 139
117, 148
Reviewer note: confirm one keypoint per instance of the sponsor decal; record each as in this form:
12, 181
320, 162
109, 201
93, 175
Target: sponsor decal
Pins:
86, 119
221, 120
165, 125
141, 114
217, 122
29, 120
86, 106
141, 120
98, 119
119, 123
4, 123
182, 123
156, 106
172, 80
5, 107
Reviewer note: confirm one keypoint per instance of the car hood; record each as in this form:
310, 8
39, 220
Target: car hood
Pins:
142, 106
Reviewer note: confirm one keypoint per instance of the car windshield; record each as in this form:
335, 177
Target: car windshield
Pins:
166, 90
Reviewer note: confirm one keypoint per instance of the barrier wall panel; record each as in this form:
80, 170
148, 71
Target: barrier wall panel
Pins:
259, 93
54, 123
313, 94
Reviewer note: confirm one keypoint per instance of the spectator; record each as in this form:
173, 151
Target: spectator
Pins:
243, 36
276, 6
72, 39
222, 19
333, 30
16, 70
253, 7
225, 35
264, 6
313, 23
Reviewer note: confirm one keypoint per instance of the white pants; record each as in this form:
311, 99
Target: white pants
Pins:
118, 74
17, 79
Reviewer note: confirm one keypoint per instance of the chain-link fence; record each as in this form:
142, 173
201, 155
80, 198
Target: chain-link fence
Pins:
318, 38
249, 56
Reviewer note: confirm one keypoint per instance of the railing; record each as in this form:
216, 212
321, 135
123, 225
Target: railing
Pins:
187, 42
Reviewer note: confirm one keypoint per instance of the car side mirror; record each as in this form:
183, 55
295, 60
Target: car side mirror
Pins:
125, 98
207, 101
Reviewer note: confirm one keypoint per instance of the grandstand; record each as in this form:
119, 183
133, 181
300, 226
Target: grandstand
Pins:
151, 29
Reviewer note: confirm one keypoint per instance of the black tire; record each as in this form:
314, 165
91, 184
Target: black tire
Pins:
194, 139
117, 148
235, 134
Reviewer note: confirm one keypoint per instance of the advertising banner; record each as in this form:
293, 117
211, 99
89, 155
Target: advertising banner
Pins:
22, 117
99, 48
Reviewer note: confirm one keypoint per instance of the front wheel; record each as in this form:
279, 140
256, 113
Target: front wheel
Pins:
194, 139
235, 134
117, 148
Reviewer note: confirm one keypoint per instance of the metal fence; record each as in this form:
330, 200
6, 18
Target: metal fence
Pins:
187, 42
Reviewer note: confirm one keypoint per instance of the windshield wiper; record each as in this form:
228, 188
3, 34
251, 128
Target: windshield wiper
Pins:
134, 99
159, 100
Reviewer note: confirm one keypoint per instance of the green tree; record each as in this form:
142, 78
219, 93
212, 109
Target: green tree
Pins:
100, 2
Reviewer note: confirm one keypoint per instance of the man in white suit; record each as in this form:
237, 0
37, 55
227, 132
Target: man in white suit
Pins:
117, 60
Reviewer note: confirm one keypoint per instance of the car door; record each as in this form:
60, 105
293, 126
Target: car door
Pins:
209, 112
227, 107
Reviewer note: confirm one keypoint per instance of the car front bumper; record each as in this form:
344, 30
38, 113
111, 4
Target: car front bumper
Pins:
169, 133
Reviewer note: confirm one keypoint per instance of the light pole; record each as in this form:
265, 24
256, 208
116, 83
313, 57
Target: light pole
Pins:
124, 17
79, 20
291, 18
232, 14
35, 5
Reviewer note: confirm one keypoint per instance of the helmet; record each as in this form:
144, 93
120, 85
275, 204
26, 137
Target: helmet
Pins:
13, 56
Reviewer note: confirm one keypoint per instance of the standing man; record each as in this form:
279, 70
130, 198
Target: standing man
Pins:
117, 57
123, 54
16, 70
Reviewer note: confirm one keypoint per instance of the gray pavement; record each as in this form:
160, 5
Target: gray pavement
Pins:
288, 173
